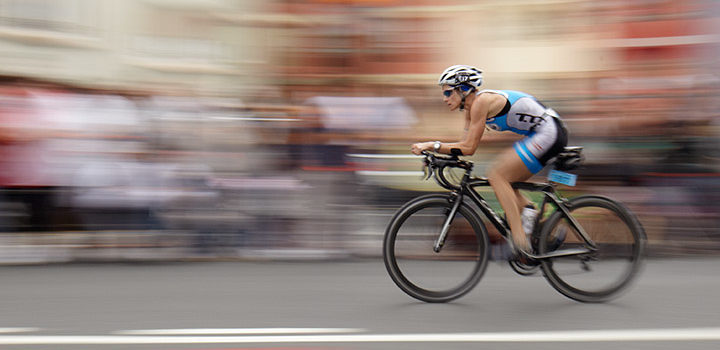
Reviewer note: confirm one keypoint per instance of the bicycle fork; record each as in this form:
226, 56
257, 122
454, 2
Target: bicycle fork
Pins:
440, 242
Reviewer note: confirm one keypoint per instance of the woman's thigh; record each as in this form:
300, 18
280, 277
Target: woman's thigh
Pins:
510, 167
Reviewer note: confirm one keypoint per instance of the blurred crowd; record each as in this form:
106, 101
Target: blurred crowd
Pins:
312, 158
213, 175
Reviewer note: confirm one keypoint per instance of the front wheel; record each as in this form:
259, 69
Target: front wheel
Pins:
413, 264
604, 273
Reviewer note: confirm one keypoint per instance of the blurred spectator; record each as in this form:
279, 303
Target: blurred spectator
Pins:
25, 159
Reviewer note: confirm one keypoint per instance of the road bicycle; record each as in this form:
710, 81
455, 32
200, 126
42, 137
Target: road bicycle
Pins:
436, 247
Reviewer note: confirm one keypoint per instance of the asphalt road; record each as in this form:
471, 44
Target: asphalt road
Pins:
342, 305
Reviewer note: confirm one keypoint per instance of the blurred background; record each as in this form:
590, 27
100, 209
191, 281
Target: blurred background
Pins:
240, 129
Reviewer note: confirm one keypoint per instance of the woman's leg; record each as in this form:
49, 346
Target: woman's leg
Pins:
522, 200
510, 168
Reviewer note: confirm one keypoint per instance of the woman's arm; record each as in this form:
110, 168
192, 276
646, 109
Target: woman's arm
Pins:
482, 106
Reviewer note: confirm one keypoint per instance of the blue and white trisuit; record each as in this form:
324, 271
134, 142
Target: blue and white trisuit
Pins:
545, 134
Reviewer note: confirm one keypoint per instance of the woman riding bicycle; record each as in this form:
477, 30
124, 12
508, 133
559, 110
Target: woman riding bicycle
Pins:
502, 110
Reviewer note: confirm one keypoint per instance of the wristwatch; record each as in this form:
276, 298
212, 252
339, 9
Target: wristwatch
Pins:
436, 146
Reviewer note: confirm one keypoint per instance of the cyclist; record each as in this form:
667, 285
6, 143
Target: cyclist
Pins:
502, 110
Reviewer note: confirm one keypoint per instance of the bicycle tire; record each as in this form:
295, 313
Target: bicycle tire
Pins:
620, 239
477, 260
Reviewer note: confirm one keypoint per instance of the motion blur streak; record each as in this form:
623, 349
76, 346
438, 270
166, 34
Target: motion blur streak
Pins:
227, 129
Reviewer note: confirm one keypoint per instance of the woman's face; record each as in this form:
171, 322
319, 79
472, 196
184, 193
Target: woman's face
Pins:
453, 100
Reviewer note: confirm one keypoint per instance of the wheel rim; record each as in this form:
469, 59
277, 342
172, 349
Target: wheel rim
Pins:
599, 275
425, 274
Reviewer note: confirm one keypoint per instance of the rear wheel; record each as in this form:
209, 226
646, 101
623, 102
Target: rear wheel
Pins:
605, 273
413, 264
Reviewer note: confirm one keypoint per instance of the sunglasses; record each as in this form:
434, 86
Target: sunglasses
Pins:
463, 88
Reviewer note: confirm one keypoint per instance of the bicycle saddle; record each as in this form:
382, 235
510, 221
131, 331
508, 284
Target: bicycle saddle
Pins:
570, 158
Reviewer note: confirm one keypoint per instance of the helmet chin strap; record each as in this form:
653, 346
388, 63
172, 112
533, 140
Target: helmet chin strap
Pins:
464, 96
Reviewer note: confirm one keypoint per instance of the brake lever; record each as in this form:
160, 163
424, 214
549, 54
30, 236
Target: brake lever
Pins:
427, 166
429, 172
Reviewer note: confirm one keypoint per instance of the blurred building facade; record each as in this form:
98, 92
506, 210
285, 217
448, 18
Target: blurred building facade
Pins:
159, 45
224, 125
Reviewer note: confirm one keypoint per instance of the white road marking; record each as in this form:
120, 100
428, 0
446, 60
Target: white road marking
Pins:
18, 329
246, 331
654, 335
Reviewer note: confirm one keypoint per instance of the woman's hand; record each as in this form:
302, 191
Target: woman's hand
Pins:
422, 146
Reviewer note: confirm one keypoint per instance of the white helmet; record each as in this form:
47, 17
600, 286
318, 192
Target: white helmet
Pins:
461, 74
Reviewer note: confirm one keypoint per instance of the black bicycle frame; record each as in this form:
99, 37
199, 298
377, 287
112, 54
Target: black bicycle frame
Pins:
467, 187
